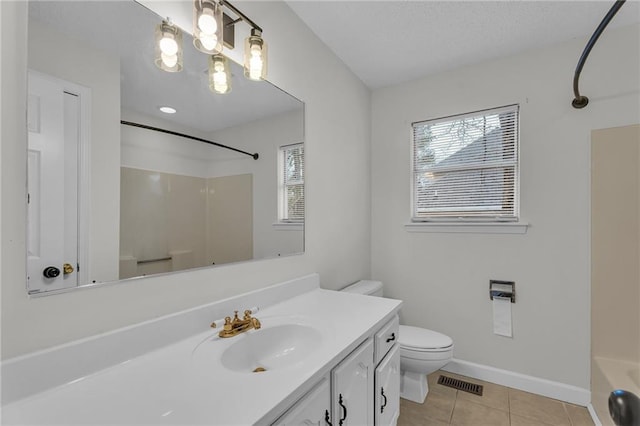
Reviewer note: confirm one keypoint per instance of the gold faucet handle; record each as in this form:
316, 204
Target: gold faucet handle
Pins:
227, 324
256, 323
247, 314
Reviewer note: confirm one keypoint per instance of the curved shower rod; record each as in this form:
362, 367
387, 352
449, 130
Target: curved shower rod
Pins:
581, 101
255, 156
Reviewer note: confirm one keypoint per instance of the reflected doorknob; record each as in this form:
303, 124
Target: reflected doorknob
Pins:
67, 268
51, 272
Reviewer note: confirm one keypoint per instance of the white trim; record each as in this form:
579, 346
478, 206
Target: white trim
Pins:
544, 387
468, 227
594, 415
288, 226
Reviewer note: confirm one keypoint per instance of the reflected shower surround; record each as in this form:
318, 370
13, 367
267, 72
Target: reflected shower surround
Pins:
155, 237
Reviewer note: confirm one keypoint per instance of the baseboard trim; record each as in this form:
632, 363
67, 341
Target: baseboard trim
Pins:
594, 415
544, 387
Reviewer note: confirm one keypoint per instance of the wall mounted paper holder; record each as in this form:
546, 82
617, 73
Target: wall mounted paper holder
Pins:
502, 289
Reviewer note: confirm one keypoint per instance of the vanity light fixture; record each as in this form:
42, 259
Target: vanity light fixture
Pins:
209, 37
219, 74
255, 56
207, 26
168, 47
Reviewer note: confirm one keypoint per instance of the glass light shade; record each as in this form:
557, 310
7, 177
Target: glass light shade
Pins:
207, 26
168, 47
255, 56
219, 74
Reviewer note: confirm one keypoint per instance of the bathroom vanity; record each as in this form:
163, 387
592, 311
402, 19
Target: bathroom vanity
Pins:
322, 357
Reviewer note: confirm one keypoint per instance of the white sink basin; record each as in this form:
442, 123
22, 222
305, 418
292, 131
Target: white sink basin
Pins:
271, 348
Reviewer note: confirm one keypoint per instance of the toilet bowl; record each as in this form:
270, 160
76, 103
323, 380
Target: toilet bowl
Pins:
422, 351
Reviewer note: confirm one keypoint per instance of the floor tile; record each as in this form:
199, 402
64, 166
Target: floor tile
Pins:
437, 407
579, 416
538, 408
498, 406
517, 420
467, 413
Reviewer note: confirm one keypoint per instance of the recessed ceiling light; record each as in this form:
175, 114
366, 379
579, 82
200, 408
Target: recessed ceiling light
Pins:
167, 109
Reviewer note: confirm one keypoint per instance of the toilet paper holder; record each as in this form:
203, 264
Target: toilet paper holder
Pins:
502, 289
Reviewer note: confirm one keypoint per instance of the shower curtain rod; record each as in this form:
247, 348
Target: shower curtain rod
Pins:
170, 132
581, 101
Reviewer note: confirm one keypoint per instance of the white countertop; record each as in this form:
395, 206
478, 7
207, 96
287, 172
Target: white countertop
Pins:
178, 385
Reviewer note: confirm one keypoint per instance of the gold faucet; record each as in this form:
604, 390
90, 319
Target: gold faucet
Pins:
235, 326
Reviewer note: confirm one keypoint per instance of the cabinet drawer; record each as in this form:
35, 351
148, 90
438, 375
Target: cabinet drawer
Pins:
386, 338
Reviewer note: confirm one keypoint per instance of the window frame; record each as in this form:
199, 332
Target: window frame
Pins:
447, 223
282, 188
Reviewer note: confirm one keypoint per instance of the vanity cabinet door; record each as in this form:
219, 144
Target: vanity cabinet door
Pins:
312, 409
352, 388
387, 389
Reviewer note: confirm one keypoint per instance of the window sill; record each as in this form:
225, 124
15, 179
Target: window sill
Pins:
468, 227
288, 226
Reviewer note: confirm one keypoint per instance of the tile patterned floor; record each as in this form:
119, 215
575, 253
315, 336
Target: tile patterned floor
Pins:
498, 406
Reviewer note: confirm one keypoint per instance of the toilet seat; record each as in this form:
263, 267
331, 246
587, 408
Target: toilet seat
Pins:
423, 340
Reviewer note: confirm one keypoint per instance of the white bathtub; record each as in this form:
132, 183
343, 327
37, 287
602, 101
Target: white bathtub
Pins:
608, 375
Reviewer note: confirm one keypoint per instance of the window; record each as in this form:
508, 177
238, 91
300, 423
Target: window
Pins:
465, 167
291, 183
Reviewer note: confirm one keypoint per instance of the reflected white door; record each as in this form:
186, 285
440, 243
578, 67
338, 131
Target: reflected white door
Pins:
52, 222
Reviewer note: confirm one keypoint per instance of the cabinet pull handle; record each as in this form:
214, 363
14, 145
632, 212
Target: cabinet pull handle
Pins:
384, 404
326, 417
344, 410
392, 338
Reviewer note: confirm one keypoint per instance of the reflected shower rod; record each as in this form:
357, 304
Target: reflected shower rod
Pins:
255, 156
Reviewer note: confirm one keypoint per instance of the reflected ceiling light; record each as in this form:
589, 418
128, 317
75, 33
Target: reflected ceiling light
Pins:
167, 109
168, 47
255, 56
219, 74
207, 26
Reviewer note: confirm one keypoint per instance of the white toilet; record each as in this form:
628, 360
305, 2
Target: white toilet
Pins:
422, 351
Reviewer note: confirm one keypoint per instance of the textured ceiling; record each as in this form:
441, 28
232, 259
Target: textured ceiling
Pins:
388, 42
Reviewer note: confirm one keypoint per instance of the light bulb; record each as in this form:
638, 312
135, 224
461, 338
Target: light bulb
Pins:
169, 60
220, 77
209, 41
168, 46
207, 22
255, 67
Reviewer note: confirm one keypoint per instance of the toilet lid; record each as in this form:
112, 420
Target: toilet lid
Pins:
422, 339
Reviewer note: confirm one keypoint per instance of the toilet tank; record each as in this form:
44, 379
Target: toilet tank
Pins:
367, 287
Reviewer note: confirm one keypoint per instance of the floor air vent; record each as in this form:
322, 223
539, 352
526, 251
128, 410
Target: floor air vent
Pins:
460, 385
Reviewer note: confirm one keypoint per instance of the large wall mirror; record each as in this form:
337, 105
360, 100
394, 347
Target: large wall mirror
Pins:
110, 201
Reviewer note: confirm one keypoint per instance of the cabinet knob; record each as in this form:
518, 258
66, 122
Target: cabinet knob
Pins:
392, 338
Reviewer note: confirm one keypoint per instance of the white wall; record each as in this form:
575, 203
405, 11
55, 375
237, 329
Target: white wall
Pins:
337, 239
444, 278
264, 137
161, 152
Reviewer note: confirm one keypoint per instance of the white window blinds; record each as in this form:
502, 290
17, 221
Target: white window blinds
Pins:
466, 166
292, 183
